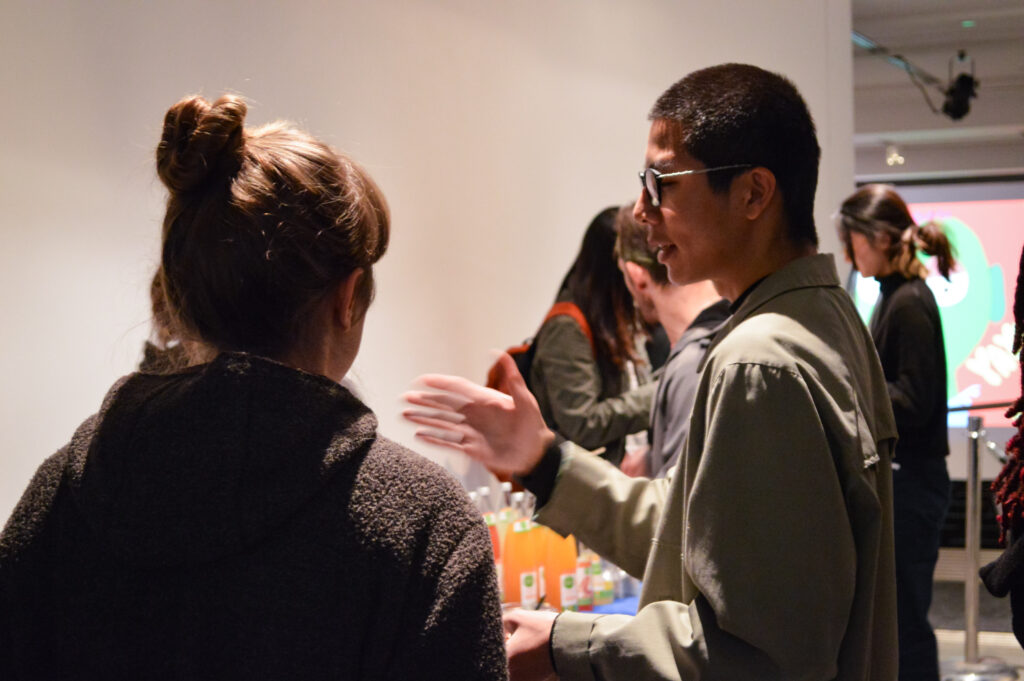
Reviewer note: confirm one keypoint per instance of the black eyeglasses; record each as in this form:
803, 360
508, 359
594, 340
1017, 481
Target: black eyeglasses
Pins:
650, 179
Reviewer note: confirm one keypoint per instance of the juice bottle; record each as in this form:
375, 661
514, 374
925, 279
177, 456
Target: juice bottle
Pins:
521, 559
601, 582
506, 515
584, 592
560, 570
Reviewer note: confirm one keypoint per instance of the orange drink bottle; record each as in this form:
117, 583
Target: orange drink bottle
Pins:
560, 570
521, 580
506, 515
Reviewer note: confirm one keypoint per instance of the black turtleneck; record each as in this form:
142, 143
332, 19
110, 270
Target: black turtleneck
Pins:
908, 334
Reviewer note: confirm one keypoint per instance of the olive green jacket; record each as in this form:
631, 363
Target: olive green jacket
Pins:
768, 552
578, 402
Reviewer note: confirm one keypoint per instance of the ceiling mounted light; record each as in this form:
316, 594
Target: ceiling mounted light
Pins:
961, 89
893, 156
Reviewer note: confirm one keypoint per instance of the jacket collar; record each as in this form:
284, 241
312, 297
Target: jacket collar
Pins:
812, 271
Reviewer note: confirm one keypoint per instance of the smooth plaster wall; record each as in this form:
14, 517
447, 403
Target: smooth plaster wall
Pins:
496, 130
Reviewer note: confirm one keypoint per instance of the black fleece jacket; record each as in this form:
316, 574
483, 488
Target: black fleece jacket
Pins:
243, 520
908, 335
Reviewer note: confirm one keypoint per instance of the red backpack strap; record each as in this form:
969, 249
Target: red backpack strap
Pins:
572, 310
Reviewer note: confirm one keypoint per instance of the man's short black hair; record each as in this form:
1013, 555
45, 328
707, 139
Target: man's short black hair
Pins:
742, 114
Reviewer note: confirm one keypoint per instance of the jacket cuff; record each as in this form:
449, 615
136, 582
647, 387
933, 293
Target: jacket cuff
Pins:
541, 480
570, 645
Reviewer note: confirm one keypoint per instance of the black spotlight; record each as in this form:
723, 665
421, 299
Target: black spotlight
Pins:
960, 90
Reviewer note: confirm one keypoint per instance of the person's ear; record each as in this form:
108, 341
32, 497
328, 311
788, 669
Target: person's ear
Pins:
757, 189
640, 277
346, 307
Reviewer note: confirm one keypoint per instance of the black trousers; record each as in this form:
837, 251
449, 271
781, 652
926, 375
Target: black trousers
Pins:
920, 501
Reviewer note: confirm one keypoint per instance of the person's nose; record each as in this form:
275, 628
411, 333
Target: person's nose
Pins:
640, 208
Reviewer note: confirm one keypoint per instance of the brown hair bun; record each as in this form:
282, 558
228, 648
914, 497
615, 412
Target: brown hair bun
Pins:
261, 225
200, 141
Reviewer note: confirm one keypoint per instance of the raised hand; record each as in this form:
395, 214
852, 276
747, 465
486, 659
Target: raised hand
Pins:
505, 432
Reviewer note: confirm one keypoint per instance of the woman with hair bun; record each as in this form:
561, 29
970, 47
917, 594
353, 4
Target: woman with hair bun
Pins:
240, 518
882, 241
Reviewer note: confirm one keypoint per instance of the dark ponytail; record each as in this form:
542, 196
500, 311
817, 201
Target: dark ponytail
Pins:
931, 239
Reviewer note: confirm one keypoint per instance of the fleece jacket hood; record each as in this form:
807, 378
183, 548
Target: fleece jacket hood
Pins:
161, 493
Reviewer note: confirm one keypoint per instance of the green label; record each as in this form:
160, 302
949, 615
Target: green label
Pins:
528, 581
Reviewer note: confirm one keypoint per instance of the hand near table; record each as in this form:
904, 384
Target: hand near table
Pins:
528, 644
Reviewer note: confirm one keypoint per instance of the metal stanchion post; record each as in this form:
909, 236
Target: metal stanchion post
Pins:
973, 668
972, 541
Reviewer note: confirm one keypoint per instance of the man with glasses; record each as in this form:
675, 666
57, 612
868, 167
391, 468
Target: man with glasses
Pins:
768, 554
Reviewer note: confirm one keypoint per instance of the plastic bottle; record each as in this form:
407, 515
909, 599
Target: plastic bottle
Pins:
521, 559
483, 495
559, 563
601, 581
584, 594
506, 514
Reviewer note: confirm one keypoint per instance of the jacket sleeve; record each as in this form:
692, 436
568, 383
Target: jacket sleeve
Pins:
768, 548
461, 635
915, 379
607, 510
565, 372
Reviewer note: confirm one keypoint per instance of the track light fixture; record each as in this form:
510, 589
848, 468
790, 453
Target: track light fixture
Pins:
958, 91
961, 89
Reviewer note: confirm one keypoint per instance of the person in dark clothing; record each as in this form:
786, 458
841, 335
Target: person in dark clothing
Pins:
1005, 575
883, 241
240, 517
690, 314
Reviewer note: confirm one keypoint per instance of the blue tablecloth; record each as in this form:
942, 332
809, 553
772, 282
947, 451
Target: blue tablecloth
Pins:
623, 606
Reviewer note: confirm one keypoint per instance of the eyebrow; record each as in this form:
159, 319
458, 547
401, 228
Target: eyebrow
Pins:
661, 166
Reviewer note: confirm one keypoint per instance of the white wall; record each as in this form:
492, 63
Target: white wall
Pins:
495, 129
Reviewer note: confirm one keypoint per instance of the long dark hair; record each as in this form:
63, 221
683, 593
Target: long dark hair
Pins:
596, 285
876, 209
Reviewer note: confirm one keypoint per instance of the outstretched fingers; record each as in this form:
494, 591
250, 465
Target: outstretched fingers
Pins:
439, 428
443, 401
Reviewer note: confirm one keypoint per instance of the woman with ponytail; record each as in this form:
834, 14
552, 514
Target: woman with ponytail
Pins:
234, 514
882, 241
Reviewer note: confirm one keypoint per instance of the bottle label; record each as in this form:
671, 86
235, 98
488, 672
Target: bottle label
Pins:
490, 519
583, 598
568, 592
528, 597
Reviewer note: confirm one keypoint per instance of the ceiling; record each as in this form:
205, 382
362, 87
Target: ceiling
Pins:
929, 34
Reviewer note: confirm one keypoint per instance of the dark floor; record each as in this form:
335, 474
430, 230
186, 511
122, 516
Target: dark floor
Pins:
948, 608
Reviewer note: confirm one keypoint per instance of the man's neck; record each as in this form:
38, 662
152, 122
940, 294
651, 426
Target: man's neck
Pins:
734, 283
678, 306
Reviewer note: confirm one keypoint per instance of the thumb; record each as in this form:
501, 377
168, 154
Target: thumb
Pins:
515, 384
